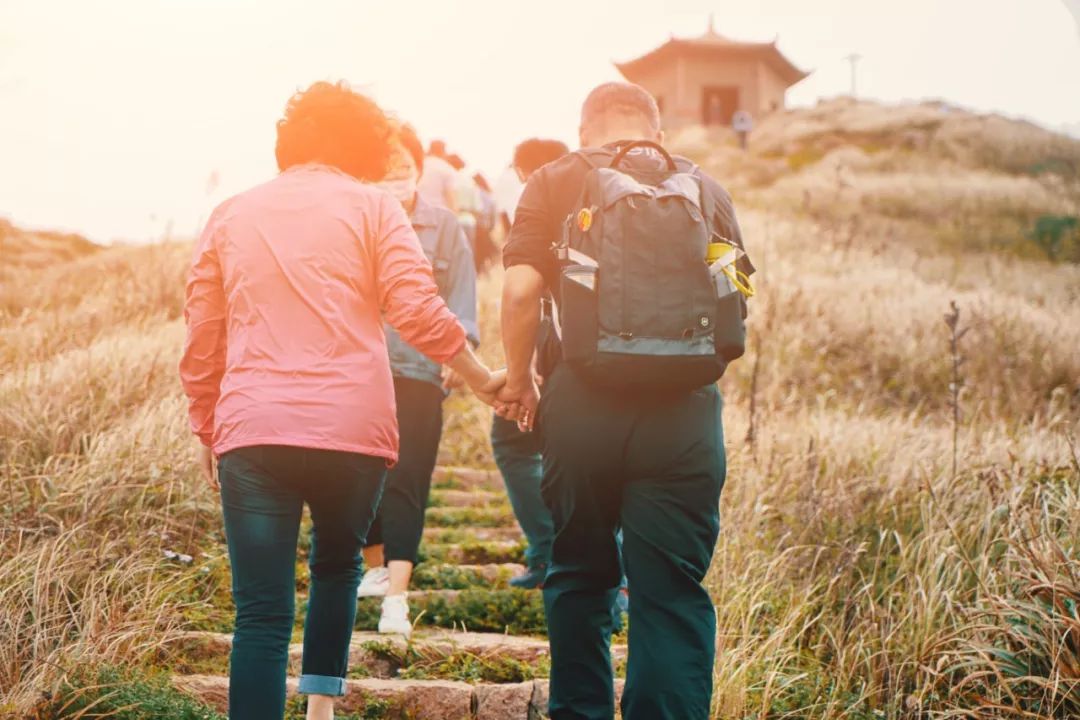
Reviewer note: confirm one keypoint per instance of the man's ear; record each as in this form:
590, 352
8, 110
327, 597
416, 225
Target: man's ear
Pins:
583, 137
659, 137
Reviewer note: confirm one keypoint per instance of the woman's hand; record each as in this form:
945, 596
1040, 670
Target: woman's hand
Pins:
208, 467
488, 392
480, 379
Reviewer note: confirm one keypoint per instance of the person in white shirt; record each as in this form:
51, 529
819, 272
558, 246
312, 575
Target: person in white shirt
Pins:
438, 184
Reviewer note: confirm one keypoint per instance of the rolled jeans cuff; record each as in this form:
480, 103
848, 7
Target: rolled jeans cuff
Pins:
322, 685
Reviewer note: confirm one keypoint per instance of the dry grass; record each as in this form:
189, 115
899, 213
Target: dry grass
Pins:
855, 576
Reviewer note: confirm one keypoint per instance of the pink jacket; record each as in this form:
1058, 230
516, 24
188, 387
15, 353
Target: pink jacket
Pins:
286, 295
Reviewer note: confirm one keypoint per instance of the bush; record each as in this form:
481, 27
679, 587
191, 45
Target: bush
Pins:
122, 695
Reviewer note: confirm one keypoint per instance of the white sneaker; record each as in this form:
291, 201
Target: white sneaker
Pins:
395, 616
375, 583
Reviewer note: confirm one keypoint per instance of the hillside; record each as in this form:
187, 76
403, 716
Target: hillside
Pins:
881, 556
37, 249
962, 180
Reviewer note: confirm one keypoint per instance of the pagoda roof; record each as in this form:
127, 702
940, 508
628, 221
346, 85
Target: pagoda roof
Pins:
712, 44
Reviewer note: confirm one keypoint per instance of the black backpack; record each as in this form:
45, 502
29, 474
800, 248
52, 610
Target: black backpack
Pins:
639, 307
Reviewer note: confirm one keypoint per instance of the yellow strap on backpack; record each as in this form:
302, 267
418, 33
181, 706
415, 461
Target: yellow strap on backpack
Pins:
740, 280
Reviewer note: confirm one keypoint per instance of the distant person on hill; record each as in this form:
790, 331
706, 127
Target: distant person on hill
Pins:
288, 379
517, 453
508, 187
438, 183
466, 198
630, 422
420, 386
485, 250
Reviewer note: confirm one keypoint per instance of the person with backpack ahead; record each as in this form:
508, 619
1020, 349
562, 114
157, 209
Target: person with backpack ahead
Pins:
420, 385
622, 235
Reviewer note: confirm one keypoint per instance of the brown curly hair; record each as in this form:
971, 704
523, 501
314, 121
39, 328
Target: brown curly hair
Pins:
332, 124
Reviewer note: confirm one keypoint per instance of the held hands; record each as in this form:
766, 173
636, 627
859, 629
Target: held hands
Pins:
519, 403
489, 391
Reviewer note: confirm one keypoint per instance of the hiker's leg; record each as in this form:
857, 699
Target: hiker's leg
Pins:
517, 456
670, 521
342, 490
262, 519
582, 487
408, 484
374, 550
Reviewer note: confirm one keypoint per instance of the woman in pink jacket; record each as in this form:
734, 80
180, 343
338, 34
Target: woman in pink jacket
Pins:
286, 370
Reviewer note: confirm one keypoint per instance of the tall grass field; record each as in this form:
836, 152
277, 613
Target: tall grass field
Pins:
901, 519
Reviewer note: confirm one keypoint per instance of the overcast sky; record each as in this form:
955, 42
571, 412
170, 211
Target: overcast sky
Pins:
114, 113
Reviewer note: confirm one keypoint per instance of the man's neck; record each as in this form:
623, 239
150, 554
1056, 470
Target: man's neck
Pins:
618, 135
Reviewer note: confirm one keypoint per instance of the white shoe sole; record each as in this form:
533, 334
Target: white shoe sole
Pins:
387, 630
371, 592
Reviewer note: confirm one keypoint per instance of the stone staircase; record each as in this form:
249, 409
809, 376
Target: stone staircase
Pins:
478, 651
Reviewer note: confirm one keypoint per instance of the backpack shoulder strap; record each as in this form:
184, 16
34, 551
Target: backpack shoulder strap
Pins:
444, 251
595, 157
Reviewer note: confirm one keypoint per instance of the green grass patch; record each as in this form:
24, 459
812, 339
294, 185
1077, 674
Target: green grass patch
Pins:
122, 695
474, 553
490, 516
454, 577
415, 662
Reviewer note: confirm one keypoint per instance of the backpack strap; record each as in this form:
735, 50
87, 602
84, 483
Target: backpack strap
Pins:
592, 156
656, 147
440, 264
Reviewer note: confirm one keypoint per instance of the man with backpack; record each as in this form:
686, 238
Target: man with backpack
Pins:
622, 235
517, 453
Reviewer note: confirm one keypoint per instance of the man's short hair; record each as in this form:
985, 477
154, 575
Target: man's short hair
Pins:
534, 153
620, 98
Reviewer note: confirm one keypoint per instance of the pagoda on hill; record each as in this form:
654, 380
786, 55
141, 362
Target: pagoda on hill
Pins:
707, 79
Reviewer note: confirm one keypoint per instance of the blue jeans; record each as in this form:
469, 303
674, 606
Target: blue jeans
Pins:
263, 492
517, 456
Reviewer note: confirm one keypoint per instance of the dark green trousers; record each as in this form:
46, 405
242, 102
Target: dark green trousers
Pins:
653, 465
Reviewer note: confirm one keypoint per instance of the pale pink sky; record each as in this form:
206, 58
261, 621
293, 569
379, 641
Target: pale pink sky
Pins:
113, 113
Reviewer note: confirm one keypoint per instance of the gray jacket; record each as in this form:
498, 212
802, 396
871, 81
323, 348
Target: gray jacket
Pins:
446, 248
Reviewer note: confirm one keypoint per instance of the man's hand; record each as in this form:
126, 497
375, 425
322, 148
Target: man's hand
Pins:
452, 380
519, 404
208, 467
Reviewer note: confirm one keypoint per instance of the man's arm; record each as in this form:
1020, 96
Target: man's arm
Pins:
523, 288
529, 265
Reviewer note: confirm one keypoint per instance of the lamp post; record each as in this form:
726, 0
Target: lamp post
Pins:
854, 59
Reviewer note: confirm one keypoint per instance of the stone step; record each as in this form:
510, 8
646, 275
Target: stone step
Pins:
212, 649
466, 498
457, 536
460, 478
466, 553
421, 699
435, 576
491, 516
